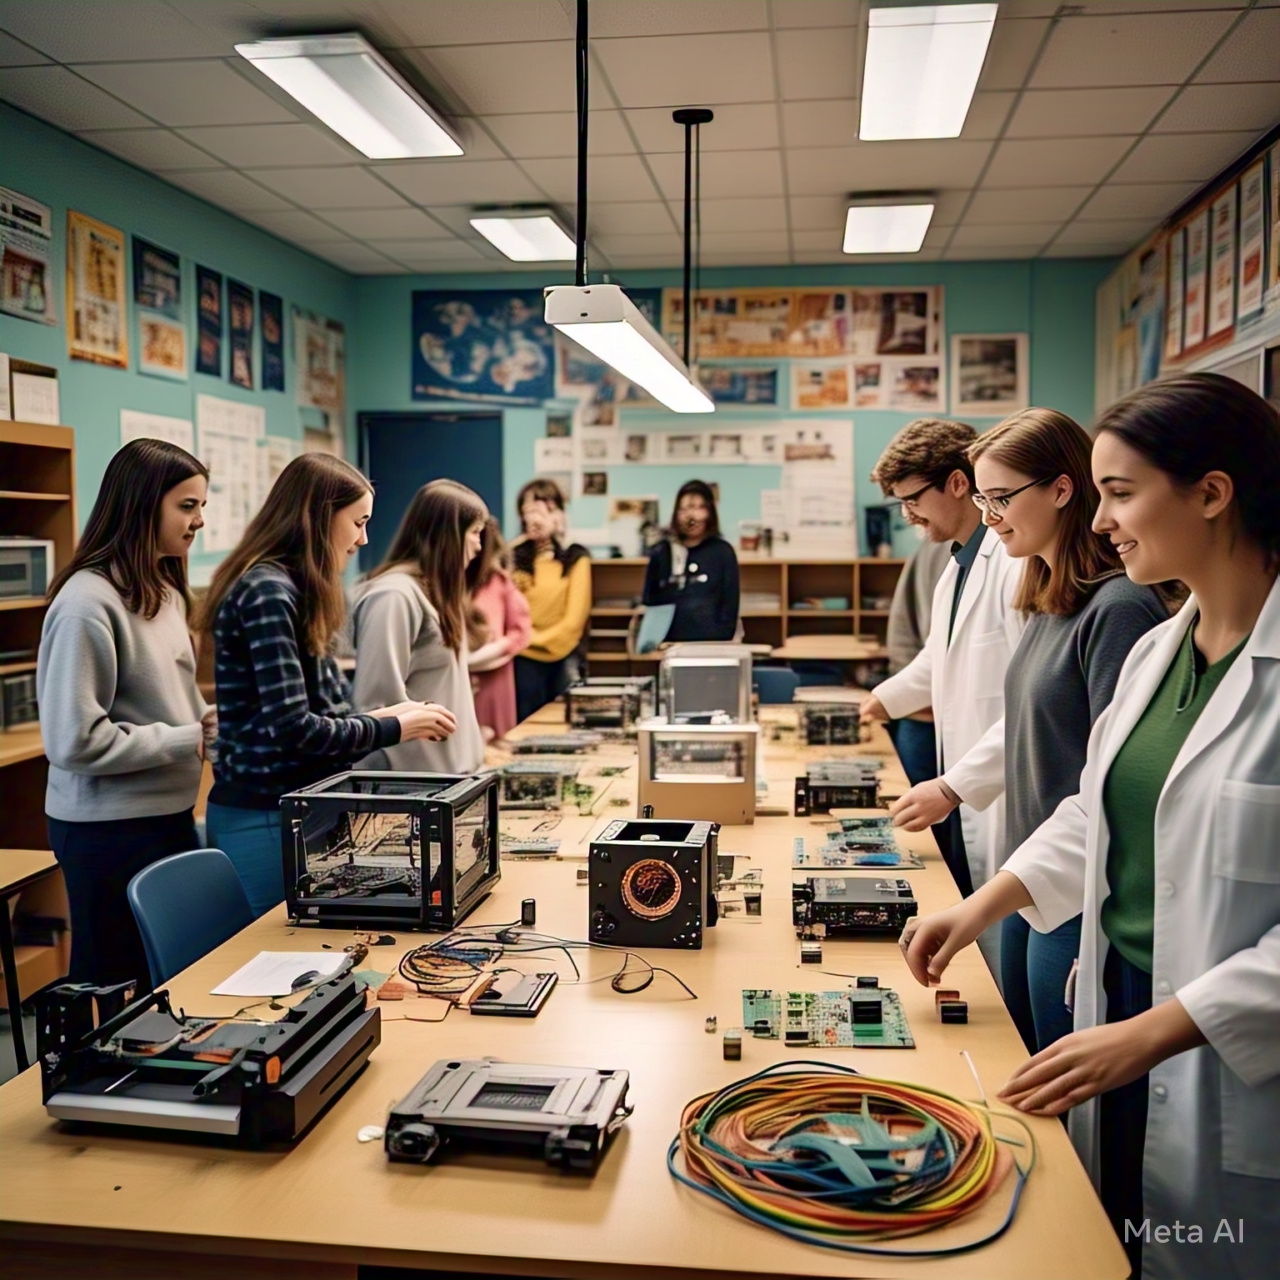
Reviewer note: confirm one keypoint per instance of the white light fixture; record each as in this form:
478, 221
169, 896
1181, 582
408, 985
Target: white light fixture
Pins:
601, 318
921, 69
526, 235
352, 88
886, 224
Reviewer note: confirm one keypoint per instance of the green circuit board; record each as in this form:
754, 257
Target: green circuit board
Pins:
826, 1019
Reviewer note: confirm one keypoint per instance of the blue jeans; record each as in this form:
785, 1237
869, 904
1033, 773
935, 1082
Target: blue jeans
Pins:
916, 747
1033, 979
251, 839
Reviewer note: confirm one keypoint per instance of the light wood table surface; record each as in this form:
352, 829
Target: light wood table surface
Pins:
831, 648
75, 1204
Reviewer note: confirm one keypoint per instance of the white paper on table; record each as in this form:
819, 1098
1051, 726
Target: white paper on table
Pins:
273, 973
35, 399
154, 426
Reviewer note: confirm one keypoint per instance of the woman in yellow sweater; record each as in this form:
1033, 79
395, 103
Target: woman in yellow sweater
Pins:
556, 581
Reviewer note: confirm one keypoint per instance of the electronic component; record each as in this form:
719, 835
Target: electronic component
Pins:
731, 1046
846, 903
650, 883
569, 1112
838, 784
863, 853
710, 1026
529, 847
529, 912
861, 1017
514, 995
940, 995
867, 981
954, 1010
830, 724
609, 702
704, 680
811, 953
705, 772
540, 782
368, 849
108, 1061
557, 744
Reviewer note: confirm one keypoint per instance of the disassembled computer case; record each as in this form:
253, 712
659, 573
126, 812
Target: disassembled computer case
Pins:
368, 849
838, 784
539, 782
106, 1058
570, 1112
847, 903
557, 743
829, 724
699, 772
650, 883
609, 702
700, 680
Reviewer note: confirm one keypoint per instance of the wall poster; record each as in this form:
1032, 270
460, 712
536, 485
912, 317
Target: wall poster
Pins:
1193, 319
736, 323
209, 322
271, 311
1175, 289
96, 301
320, 362
26, 277
240, 310
157, 297
1222, 264
1253, 237
990, 374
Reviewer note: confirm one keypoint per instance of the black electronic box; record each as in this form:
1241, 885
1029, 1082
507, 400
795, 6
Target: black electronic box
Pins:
850, 904
838, 784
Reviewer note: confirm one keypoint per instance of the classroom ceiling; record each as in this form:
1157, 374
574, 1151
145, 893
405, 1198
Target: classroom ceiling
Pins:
1092, 121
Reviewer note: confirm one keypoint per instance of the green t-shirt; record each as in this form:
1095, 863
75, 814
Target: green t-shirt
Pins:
1134, 782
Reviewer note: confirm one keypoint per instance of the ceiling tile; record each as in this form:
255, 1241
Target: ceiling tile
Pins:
1100, 249
297, 225
633, 217
611, 18
763, 213
1030, 204
1211, 108
73, 30
1250, 53
1013, 47
354, 257
330, 188
188, 93
230, 190
499, 79
816, 13
987, 253
722, 242
987, 115
1182, 157
644, 262
460, 182
474, 139
826, 240
749, 126
608, 177
1129, 230
825, 122
1057, 162
661, 71
632, 246
922, 165
13, 53
154, 149
818, 213
837, 258
1021, 235
544, 135
817, 64
65, 100
1149, 200
448, 250
725, 174
1128, 49
385, 224
1083, 113
781, 258
397, 24
271, 145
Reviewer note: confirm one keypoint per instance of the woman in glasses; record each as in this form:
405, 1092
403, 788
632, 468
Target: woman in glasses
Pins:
1171, 849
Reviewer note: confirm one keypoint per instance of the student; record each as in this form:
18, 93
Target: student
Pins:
284, 712
973, 633
1171, 849
556, 582
695, 569
501, 615
1035, 489
411, 629
123, 722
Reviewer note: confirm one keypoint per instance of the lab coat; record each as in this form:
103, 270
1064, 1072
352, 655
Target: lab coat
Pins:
1213, 1126
964, 683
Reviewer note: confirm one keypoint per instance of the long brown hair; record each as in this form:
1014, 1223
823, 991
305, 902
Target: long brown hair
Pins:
121, 539
493, 558
431, 542
292, 530
1045, 444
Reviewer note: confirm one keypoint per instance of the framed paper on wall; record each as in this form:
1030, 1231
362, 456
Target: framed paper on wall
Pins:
1222, 264
96, 302
990, 374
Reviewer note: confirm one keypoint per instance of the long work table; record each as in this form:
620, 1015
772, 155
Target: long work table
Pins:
84, 1204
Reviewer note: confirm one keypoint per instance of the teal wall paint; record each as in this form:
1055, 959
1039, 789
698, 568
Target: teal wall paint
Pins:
1052, 300
51, 166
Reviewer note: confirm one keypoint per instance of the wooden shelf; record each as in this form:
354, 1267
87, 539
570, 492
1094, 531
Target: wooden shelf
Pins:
22, 743
24, 602
16, 668
19, 495
821, 613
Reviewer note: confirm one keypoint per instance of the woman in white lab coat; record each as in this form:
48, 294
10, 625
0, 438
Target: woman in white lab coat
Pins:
1171, 849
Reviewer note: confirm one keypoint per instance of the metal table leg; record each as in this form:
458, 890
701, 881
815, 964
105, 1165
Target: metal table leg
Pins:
11, 988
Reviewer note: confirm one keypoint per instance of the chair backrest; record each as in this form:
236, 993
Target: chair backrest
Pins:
185, 906
775, 684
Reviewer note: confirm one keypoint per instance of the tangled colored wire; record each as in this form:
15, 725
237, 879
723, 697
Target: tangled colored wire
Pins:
832, 1158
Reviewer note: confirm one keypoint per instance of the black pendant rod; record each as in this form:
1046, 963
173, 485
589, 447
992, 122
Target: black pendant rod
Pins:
690, 118
583, 95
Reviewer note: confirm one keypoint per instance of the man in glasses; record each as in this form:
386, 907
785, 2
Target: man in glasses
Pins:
975, 629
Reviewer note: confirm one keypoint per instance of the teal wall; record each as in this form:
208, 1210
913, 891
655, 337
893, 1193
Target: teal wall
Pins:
62, 172
1052, 300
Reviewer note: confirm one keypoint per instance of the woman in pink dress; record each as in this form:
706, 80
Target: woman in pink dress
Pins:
502, 629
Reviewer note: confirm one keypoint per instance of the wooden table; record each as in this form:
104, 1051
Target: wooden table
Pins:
73, 1204
835, 648
18, 869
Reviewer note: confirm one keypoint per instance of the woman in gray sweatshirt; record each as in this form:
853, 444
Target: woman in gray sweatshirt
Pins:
124, 726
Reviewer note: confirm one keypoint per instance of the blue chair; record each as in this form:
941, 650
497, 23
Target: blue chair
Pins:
775, 684
185, 906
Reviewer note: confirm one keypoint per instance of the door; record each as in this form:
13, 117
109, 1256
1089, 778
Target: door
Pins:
400, 452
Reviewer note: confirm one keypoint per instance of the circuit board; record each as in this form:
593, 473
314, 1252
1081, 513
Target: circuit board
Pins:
871, 854
828, 1019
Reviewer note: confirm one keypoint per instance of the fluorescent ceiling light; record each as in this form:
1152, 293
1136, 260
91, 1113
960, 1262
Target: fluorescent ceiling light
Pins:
353, 89
921, 69
601, 318
890, 226
526, 235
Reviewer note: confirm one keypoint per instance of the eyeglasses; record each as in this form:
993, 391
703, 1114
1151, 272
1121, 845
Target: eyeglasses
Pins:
999, 504
908, 502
